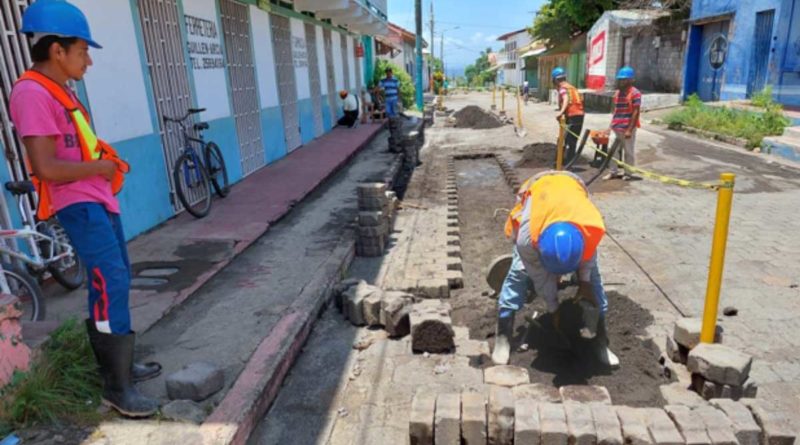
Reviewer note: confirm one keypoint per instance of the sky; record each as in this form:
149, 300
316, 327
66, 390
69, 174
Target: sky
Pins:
469, 26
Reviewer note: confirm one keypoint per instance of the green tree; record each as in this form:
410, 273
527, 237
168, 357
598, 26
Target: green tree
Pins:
558, 20
477, 74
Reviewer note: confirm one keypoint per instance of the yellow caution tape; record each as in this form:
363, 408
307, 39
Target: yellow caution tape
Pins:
664, 179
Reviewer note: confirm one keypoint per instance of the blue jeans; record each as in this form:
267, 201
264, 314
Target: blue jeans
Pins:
97, 237
515, 288
391, 106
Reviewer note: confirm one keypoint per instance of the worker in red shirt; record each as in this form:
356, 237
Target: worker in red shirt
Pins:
75, 182
625, 121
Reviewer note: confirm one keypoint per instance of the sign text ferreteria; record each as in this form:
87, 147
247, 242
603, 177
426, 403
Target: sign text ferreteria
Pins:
299, 52
205, 49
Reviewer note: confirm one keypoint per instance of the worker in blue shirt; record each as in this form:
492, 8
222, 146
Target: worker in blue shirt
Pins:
391, 91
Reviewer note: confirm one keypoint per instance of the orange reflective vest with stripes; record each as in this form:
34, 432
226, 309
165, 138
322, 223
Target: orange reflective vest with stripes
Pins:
575, 107
92, 148
557, 197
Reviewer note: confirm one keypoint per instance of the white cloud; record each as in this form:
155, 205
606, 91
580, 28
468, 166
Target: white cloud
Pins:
477, 37
491, 38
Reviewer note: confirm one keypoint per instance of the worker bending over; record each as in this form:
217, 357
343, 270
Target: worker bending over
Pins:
556, 230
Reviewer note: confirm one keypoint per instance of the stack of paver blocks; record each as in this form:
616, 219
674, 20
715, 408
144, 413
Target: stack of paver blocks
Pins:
534, 413
376, 208
717, 371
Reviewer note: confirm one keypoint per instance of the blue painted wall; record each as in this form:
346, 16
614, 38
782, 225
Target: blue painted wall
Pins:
305, 108
274, 139
786, 85
223, 132
327, 122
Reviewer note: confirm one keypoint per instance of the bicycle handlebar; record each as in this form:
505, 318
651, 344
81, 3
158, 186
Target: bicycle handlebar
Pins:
189, 112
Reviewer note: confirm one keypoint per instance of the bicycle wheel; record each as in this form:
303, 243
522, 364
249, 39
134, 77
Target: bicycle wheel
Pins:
24, 287
192, 185
69, 271
217, 172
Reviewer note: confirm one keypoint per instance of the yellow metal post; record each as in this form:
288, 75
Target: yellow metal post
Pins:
494, 96
519, 110
724, 200
503, 99
560, 145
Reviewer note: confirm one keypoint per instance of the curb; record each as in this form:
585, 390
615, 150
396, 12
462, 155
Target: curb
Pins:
454, 273
256, 387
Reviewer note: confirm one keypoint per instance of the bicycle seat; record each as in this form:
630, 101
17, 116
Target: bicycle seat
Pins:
18, 188
200, 126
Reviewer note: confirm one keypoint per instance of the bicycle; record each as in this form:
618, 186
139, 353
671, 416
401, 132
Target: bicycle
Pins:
194, 176
48, 250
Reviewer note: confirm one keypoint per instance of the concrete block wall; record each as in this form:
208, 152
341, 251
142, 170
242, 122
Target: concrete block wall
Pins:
656, 65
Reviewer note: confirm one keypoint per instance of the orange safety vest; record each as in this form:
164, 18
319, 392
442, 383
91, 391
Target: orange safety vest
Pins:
92, 148
557, 197
575, 107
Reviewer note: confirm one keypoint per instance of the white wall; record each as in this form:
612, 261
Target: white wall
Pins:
336, 49
351, 60
323, 68
264, 59
118, 64
300, 63
211, 86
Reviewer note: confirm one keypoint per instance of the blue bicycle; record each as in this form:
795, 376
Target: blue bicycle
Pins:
194, 176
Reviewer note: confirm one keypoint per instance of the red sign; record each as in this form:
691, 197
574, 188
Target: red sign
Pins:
359, 50
597, 50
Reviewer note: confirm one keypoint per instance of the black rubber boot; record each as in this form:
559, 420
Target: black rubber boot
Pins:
502, 340
139, 371
602, 343
114, 355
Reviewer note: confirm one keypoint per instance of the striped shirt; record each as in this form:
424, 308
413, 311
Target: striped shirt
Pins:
624, 106
391, 87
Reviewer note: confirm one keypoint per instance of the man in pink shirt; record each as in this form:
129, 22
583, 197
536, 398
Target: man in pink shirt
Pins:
80, 192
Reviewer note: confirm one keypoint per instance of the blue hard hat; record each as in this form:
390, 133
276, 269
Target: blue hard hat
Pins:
561, 248
625, 72
558, 72
57, 17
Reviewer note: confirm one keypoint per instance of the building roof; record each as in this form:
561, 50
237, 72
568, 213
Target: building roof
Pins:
509, 34
406, 35
627, 18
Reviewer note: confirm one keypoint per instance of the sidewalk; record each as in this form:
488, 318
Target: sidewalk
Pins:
200, 248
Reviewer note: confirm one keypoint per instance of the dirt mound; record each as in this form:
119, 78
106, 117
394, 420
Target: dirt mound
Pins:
538, 154
476, 118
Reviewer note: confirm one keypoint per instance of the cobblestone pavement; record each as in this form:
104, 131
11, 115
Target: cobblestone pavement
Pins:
667, 231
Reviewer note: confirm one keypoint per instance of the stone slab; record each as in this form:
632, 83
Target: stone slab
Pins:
447, 420
539, 392
527, 428
553, 422
395, 309
500, 416
687, 332
745, 427
506, 375
691, 427
606, 424
473, 418
720, 364
580, 423
195, 382
431, 327
718, 427
634, 428
372, 308
678, 394
184, 411
776, 427
421, 418
585, 394
662, 430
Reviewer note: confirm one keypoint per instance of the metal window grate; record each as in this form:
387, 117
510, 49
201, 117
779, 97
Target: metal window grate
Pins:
332, 93
287, 89
241, 70
313, 74
345, 62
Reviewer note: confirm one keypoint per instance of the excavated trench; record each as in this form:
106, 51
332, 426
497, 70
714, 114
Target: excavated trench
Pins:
482, 189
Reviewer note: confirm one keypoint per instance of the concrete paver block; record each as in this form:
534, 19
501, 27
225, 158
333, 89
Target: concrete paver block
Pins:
371, 189
677, 353
501, 416
539, 392
527, 429
506, 375
353, 302
431, 327
366, 219
371, 307
774, 424
678, 394
691, 426
718, 427
553, 422
184, 411
662, 430
580, 423
606, 424
395, 309
585, 394
687, 332
447, 419
745, 427
421, 418
473, 418
195, 382
634, 428
434, 287
720, 364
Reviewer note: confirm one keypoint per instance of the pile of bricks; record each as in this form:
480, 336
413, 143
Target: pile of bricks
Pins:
377, 208
538, 414
717, 371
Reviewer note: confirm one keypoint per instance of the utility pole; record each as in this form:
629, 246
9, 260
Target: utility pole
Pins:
441, 50
418, 12
432, 41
